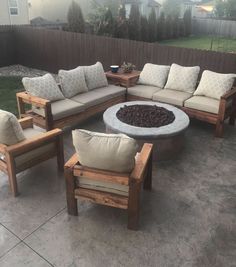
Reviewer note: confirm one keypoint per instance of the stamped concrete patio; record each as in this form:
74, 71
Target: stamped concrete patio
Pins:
189, 219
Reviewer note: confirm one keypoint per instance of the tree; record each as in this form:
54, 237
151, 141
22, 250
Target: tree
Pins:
187, 22
134, 22
172, 7
152, 26
161, 31
75, 18
230, 9
106, 26
220, 8
144, 29
175, 27
121, 25
169, 27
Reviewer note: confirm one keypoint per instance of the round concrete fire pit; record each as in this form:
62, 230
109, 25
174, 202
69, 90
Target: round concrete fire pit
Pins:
168, 140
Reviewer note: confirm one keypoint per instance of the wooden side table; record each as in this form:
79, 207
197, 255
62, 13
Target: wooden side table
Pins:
123, 79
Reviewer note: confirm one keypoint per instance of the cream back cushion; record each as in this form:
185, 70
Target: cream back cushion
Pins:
10, 130
95, 76
214, 85
155, 75
44, 87
111, 152
72, 82
182, 78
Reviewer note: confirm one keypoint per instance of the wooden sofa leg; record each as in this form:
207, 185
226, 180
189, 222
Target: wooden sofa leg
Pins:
147, 184
232, 120
60, 153
219, 129
72, 207
11, 169
133, 206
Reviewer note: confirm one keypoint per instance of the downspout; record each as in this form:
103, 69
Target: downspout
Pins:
9, 12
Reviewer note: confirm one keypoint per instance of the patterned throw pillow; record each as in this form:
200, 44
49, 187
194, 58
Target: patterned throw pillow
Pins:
95, 76
182, 78
44, 87
215, 84
72, 82
155, 75
11, 132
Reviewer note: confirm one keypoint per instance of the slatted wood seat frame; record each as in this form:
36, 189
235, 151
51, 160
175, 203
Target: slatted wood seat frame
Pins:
141, 174
48, 122
7, 162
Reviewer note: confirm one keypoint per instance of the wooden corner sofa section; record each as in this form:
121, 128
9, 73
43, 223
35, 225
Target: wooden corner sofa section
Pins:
227, 108
48, 122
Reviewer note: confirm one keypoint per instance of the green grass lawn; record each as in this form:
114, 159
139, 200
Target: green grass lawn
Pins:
204, 42
8, 88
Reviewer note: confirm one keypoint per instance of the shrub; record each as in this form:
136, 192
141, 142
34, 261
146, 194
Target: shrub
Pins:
152, 26
187, 22
144, 29
75, 18
134, 22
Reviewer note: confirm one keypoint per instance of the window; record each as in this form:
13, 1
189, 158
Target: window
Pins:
13, 6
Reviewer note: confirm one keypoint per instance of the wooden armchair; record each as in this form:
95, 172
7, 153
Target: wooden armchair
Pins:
141, 174
33, 150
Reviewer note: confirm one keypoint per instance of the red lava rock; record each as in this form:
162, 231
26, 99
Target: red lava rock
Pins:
145, 116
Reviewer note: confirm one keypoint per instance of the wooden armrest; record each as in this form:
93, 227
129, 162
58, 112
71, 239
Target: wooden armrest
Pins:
3, 148
72, 162
141, 162
34, 100
229, 94
26, 122
30, 144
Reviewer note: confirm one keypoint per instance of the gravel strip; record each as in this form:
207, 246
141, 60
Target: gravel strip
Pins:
22, 71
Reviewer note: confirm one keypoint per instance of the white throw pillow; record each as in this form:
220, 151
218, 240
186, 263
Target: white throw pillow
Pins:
44, 87
72, 82
155, 75
95, 76
182, 78
11, 132
111, 152
214, 84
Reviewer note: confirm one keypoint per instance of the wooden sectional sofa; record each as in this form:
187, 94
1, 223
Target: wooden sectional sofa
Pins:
68, 111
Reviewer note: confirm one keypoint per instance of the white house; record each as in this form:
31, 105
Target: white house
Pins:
14, 12
145, 6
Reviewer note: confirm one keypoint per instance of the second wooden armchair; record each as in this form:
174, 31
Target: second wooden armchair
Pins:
91, 184
36, 147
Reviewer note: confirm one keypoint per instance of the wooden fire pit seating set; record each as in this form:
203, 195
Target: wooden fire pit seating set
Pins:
106, 177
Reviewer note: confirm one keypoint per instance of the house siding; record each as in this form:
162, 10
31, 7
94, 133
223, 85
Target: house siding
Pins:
7, 19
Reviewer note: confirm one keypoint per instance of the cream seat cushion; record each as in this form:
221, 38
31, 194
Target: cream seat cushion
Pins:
108, 187
95, 76
155, 75
182, 78
35, 153
203, 103
145, 91
98, 96
214, 85
72, 82
10, 130
44, 87
172, 97
62, 108
111, 152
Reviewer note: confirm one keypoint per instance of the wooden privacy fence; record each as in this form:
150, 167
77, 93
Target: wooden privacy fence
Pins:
52, 50
7, 46
226, 28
